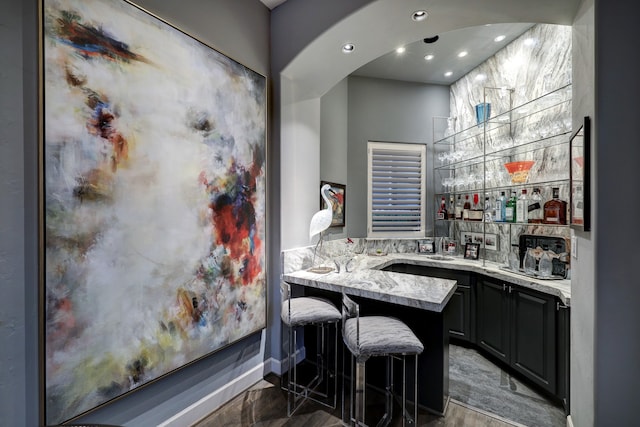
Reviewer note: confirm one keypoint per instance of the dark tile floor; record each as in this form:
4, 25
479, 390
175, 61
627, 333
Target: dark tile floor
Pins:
265, 404
479, 383
482, 395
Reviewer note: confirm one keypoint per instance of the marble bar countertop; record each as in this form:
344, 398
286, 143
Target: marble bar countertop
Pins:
368, 280
427, 293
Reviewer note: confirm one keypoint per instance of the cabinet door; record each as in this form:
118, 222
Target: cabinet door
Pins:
457, 314
492, 318
533, 338
563, 350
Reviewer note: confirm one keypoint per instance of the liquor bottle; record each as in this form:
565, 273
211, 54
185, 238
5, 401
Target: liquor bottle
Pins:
555, 210
510, 209
476, 212
459, 208
466, 208
442, 212
451, 212
489, 212
499, 213
535, 207
522, 206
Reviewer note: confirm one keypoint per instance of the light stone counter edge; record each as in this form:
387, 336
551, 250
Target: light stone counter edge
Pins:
367, 280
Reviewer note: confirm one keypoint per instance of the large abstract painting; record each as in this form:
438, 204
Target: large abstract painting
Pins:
154, 201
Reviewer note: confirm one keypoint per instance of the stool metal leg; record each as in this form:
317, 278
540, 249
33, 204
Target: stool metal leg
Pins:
406, 417
404, 390
415, 391
297, 393
360, 393
388, 391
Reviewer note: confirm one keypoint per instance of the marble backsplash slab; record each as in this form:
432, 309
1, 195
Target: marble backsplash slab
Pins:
536, 63
303, 258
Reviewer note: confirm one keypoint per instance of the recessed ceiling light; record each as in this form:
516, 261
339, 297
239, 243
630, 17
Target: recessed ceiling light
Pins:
481, 77
499, 38
448, 74
401, 49
463, 54
428, 57
348, 48
530, 41
419, 15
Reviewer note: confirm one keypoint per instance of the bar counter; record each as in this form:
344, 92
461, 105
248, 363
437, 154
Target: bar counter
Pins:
417, 300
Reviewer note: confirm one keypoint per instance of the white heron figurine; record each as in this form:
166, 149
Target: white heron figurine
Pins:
321, 220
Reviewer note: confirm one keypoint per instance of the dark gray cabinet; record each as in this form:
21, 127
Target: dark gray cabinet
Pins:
519, 326
492, 318
526, 330
459, 312
564, 343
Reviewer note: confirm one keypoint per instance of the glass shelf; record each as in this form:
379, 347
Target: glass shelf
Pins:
473, 161
504, 152
531, 184
525, 224
556, 98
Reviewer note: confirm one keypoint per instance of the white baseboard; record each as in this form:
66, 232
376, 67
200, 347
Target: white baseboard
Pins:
275, 366
569, 421
280, 366
213, 401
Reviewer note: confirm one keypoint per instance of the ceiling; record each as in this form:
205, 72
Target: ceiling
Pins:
411, 65
380, 26
272, 3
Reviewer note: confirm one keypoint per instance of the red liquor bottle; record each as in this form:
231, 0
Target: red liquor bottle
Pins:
555, 210
442, 212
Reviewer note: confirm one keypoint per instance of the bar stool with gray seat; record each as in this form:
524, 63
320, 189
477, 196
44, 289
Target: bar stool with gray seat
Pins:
299, 312
372, 336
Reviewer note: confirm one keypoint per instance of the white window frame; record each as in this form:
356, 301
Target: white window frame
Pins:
418, 211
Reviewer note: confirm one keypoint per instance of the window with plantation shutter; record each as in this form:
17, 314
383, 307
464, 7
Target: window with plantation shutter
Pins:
397, 174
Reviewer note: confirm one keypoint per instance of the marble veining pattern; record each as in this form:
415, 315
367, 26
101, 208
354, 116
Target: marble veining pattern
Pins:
367, 280
537, 62
427, 293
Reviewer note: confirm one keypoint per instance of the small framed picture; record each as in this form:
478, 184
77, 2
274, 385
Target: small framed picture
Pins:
471, 250
466, 237
491, 242
426, 246
338, 198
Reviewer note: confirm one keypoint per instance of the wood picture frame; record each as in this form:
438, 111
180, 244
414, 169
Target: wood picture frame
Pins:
339, 203
579, 173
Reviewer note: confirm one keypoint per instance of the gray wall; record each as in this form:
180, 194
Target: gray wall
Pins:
583, 265
238, 28
334, 119
392, 111
293, 25
616, 250
18, 244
